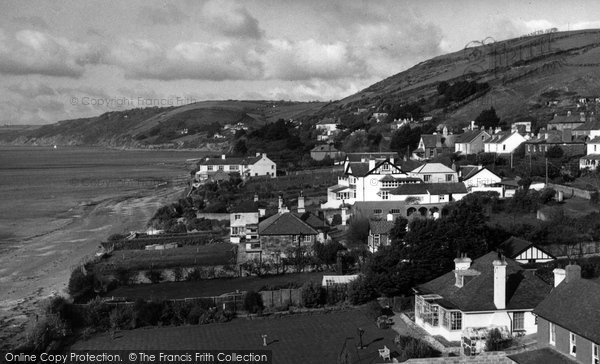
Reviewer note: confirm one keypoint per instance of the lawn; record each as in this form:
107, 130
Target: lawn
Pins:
317, 338
187, 256
211, 287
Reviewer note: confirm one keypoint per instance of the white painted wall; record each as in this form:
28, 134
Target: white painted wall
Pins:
482, 179
506, 146
244, 218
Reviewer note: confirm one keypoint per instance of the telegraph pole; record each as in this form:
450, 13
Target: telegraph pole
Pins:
546, 171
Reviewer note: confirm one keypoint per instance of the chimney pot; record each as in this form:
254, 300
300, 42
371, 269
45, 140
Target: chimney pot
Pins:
223, 156
301, 208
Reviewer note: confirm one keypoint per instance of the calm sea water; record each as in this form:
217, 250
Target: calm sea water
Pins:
45, 183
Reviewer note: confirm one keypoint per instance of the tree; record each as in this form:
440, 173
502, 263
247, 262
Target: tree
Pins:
358, 230
240, 148
253, 302
313, 294
488, 118
81, 285
554, 151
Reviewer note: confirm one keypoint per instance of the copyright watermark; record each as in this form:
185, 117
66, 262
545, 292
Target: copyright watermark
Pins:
118, 102
122, 182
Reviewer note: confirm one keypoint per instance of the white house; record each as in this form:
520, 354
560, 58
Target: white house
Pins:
478, 178
492, 292
471, 142
525, 252
434, 173
327, 128
592, 159
247, 167
503, 143
243, 221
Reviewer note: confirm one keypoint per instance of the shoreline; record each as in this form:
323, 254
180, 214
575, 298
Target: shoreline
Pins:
39, 266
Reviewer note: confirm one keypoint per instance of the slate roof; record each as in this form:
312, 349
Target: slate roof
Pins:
471, 171
358, 169
285, 224
544, 355
514, 246
410, 189
431, 188
574, 306
313, 220
591, 124
433, 168
499, 138
524, 290
380, 226
245, 206
324, 148
431, 140
409, 165
592, 156
357, 157
229, 160
595, 140
468, 136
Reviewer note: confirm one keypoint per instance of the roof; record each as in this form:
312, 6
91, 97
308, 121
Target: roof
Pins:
245, 206
358, 169
408, 165
524, 289
338, 188
313, 220
471, 171
429, 188
357, 157
229, 160
595, 140
499, 138
380, 226
591, 124
469, 136
325, 121
433, 168
285, 224
345, 279
544, 355
514, 246
574, 306
324, 148
592, 156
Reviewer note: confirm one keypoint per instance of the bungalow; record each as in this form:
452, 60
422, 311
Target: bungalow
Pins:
479, 178
432, 145
494, 291
568, 321
379, 232
503, 143
246, 167
283, 231
323, 151
434, 173
592, 159
525, 252
471, 142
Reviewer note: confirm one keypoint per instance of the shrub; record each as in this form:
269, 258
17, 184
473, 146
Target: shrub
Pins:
122, 317
546, 195
123, 275
98, 314
411, 348
373, 310
148, 313
253, 302
178, 274
194, 275
495, 341
81, 285
360, 291
195, 314
154, 275
313, 294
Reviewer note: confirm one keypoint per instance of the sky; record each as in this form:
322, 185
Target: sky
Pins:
69, 59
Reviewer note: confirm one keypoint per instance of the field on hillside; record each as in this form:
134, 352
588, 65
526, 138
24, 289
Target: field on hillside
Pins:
212, 287
301, 339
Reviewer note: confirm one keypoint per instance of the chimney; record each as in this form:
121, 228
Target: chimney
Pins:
461, 264
500, 283
223, 156
264, 155
559, 276
257, 154
280, 204
472, 125
344, 215
371, 163
301, 209
572, 272
256, 197
389, 217
445, 131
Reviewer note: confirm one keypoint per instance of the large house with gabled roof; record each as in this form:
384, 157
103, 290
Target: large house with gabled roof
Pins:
245, 167
493, 291
434, 173
433, 145
503, 143
470, 142
285, 230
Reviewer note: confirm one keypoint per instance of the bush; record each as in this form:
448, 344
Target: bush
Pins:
312, 294
360, 291
253, 302
178, 274
123, 275
154, 275
194, 275
122, 317
81, 285
148, 313
411, 348
495, 341
98, 314
546, 195
373, 310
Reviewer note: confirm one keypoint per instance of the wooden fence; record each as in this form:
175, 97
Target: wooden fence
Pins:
282, 297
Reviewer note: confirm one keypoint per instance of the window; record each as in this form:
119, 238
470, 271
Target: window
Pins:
572, 344
221, 167
209, 168
503, 146
272, 166
385, 167
307, 238
237, 217
456, 320
385, 195
377, 211
595, 354
442, 198
234, 168
394, 211
426, 177
518, 321
449, 177
376, 240
237, 230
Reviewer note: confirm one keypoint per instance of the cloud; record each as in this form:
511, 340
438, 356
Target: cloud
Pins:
34, 52
168, 14
231, 19
217, 61
31, 21
31, 89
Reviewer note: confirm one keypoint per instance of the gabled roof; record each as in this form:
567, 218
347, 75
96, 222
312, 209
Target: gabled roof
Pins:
595, 140
469, 136
433, 168
324, 148
499, 138
524, 289
229, 161
543, 355
409, 164
575, 306
357, 157
431, 140
325, 121
358, 169
429, 188
591, 124
285, 224
245, 206
471, 171
514, 246
313, 220
380, 226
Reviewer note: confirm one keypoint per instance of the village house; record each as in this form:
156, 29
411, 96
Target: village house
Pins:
284, 231
246, 167
243, 222
493, 291
568, 321
479, 179
569, 121
471, 142
590, 129
592, 159
434, 173
327, 128
521, 127
379, 233
398, 124
503, 143
323, 151
564, 139
433, 145
379, 116
525, 252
